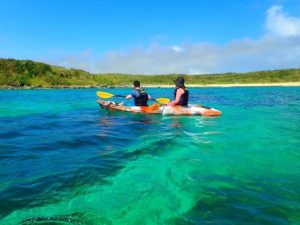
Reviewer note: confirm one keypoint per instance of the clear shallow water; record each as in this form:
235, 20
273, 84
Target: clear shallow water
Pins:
65, 161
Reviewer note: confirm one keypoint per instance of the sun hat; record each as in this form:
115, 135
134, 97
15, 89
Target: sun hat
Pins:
179, 82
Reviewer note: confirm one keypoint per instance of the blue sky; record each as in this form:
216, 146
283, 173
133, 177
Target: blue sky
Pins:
152, 37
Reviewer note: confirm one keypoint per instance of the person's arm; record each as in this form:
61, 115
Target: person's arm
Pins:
133, 94
179, 93
149, 97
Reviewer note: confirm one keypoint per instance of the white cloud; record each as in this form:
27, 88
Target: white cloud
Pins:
279, 23
177, 48
160, 60
278, 48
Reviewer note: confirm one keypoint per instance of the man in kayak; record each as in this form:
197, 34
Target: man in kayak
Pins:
181, 94
140, 95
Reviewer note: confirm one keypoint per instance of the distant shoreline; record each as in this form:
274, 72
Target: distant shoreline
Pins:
286, 84
27, 74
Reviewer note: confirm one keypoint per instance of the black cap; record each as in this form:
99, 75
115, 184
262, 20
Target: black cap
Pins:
179, 82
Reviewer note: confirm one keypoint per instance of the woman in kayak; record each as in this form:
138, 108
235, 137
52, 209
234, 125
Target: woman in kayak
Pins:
181, 94
140, 95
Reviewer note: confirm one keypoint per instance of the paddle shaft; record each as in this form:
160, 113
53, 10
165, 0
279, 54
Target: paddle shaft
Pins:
206, 107
124, 96
102, 94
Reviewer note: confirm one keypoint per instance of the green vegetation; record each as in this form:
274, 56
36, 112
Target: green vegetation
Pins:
276, 76
26, 73
20, 73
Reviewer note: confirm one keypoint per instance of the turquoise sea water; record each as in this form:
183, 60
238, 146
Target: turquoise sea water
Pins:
63, 160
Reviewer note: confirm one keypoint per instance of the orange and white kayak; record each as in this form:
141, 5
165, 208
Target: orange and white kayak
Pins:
162, 110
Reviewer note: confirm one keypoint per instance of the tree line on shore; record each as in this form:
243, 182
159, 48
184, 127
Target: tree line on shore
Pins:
26, 73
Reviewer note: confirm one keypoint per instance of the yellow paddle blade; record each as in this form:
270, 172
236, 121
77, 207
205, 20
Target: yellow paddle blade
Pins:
102, 94
163, 101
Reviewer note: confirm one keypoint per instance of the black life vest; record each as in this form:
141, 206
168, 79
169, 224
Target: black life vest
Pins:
142, 99
184, 99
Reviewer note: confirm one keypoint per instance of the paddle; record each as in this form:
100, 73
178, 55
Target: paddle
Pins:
102, 94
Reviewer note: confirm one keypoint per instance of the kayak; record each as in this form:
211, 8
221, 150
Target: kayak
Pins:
162, 110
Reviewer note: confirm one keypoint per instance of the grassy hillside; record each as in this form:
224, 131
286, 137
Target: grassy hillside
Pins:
26, 73
19, 73
276, 76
